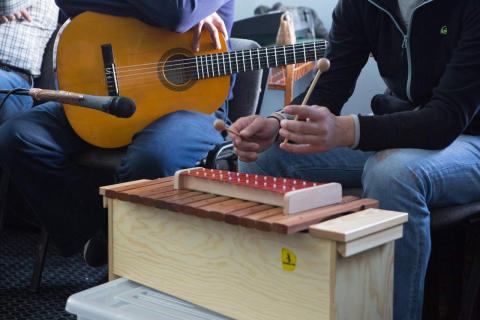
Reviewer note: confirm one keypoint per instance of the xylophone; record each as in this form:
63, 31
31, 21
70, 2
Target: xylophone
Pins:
214, 239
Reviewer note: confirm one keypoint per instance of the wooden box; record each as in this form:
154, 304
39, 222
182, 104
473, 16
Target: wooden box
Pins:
341, 269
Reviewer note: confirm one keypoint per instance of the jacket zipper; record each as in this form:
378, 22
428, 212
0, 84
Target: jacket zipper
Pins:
406, 42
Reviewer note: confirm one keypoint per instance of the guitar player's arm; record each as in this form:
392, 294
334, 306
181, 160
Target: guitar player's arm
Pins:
177, 16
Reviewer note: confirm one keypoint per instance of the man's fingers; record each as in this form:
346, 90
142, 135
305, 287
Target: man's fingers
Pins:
246, 156
256, 126
302, 127
223, 29
26, 15
3, 20
197, 34
300, 138
311, 112
17, 15
245, 145
214, 34
298, 148
10, 17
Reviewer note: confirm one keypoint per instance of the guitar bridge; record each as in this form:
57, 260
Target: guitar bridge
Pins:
110, 70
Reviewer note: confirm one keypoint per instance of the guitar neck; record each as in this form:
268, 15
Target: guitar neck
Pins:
221, 64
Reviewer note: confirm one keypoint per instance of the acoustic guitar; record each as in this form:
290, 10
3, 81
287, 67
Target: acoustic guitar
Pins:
103, 55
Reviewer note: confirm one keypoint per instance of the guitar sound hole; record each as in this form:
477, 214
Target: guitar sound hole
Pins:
179, 69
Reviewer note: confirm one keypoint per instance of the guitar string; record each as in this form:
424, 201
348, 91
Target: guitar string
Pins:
214, 63
139, 82
241, 64
154, 77
290, 48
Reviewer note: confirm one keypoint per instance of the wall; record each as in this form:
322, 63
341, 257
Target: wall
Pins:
368, 84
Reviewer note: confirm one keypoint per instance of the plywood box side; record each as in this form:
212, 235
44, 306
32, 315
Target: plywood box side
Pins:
364, 285
229, 269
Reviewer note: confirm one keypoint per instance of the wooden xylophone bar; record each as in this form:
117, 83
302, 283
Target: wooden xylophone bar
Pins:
161, 194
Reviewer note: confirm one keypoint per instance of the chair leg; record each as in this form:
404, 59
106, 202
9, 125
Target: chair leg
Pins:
39, 261
471, 300
3, 196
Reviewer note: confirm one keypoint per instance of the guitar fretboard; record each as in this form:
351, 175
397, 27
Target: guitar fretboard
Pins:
221, 64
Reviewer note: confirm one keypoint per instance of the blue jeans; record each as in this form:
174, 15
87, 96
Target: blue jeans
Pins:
38, 147
407, 180
14, 104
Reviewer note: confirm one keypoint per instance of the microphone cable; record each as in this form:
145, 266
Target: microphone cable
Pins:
9, 94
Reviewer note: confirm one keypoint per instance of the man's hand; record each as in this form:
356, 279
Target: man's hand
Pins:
322, 131
11, 17
261, 133
211, 23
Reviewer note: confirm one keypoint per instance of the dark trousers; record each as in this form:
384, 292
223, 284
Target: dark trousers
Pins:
37, 148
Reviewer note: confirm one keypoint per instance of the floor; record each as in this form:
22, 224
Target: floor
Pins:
61, 278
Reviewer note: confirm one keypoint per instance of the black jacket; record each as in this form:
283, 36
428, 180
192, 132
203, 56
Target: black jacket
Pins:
434, 64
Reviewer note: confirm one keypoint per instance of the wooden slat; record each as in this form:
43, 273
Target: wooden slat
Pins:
266, 224
219, 214
204, 211
179, 205
117, 185
137, 198
150, 201
193, 207
129, 195
303, 220
249, 221
234, 217
162, 203
111, 193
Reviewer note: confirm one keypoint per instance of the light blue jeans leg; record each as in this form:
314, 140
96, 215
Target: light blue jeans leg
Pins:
14, 104
408, 180
414, 181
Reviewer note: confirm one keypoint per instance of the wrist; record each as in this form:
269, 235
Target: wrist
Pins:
276, 119
346, 131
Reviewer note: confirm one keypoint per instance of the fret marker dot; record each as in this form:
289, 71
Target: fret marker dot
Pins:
284, 180
314, 184
229, 178
304, 183
294, 182
213, 175
256, 182
189, 171
246, 175
284, 187
274, 185
265, 184
265, 178
203, 169
196, 173
256, 176
204, 174
248, 181
293, 189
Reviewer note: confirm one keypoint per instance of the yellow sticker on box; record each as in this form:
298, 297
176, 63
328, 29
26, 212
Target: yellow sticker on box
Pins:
289, 260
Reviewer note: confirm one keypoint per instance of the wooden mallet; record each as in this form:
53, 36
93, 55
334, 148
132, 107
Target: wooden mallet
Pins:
219, 125
322, 66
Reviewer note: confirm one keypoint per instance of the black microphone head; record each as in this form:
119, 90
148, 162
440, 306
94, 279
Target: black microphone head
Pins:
122, 107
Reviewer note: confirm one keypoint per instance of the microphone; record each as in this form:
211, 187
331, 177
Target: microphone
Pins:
121, 107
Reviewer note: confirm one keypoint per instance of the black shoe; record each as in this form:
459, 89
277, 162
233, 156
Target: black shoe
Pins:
96, 250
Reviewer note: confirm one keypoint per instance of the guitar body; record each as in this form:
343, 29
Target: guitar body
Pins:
138, 48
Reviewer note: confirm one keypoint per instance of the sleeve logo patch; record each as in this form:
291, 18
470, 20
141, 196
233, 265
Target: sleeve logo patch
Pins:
443, 30
289, 260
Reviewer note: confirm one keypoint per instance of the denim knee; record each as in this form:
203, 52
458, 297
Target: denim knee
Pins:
146, 164
389, 174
